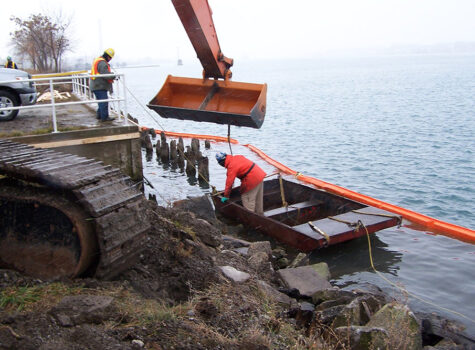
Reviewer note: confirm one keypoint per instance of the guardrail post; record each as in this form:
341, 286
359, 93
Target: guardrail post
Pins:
125, 100
55, 127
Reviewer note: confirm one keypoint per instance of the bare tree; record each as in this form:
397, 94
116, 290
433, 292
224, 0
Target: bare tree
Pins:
42, 40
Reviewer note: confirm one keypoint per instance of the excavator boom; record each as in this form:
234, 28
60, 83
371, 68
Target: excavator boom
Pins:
196, 17
209, 100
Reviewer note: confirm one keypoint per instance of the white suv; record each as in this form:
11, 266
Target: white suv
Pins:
13, 94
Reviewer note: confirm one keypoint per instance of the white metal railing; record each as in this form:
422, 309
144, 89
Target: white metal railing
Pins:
80, 87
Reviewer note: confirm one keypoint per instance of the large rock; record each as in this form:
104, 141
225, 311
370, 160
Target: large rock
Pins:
333, 294
434, 327
328, 315
304, 314
361, 337
207, 233
200, 206
263, 246
233, 242
305, 279
234, 274
357, 312
402, 327
300, 260
260, 264
322, 269
448, 344
79, 309
351, 314
274, 295
259, 261
193, 227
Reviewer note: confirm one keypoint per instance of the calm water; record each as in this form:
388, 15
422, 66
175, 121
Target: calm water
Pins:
400, 129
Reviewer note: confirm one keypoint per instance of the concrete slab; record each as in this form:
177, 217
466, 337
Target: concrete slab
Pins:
29, 121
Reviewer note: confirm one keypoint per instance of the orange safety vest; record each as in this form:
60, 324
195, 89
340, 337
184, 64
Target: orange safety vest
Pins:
94, 67
13, 65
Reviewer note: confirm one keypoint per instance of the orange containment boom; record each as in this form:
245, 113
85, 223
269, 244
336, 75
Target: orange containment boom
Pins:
214, 101
431, 224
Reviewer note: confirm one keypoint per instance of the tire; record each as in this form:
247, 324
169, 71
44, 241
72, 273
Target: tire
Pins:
7, 99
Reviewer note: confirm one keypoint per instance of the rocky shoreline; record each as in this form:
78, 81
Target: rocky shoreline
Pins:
198, 287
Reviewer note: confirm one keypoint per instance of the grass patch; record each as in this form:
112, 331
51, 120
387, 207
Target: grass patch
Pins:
38, 297
14, 133
245, 315
188, 230
137, 311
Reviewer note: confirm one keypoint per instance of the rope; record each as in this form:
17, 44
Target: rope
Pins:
349, 223
229, 138
399, 218
360, 224
163, 130
282, 194
321, 232
146, 110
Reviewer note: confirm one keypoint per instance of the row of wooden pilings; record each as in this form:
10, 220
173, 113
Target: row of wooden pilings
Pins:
189, 159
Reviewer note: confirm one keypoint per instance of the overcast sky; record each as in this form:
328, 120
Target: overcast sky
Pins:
247, 29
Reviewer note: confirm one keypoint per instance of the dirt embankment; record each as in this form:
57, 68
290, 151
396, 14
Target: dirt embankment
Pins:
177, 297
174, 298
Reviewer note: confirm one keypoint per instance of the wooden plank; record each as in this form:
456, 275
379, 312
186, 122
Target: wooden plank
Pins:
292, 208
86, 141
344, 227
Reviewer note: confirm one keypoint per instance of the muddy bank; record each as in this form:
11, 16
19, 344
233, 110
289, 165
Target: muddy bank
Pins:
197, 287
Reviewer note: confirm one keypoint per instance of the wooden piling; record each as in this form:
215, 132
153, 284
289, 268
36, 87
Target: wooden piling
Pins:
190, 162
157, 148
207, 144
203, 170
195, 147
164, 152
181, 159
163, 137
146, 142
180, 145
173, 151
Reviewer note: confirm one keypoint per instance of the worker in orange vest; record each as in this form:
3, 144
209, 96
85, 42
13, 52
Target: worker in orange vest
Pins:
251, 176
100, 86
10, 63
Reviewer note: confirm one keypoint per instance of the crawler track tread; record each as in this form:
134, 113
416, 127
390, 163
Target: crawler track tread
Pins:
109, 197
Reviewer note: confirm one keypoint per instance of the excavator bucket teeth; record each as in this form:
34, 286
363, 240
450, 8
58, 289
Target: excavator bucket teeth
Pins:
213, 101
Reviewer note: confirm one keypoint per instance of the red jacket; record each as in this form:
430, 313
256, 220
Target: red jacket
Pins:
238, 166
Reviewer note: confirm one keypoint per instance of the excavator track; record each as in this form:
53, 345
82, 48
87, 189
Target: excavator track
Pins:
63, 215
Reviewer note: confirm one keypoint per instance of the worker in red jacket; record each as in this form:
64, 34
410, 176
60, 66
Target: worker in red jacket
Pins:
251, 176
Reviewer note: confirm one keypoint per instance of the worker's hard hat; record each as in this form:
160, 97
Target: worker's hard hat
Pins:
9, 58
110, 52
221, 157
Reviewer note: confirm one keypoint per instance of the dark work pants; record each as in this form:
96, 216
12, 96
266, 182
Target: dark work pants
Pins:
103, 109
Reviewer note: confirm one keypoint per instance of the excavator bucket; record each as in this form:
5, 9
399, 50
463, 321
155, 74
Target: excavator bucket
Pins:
214, 101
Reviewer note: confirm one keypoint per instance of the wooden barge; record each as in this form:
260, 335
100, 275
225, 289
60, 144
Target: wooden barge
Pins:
305, 217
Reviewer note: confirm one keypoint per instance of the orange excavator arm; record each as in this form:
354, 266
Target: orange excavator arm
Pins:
196, 16
209, 100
